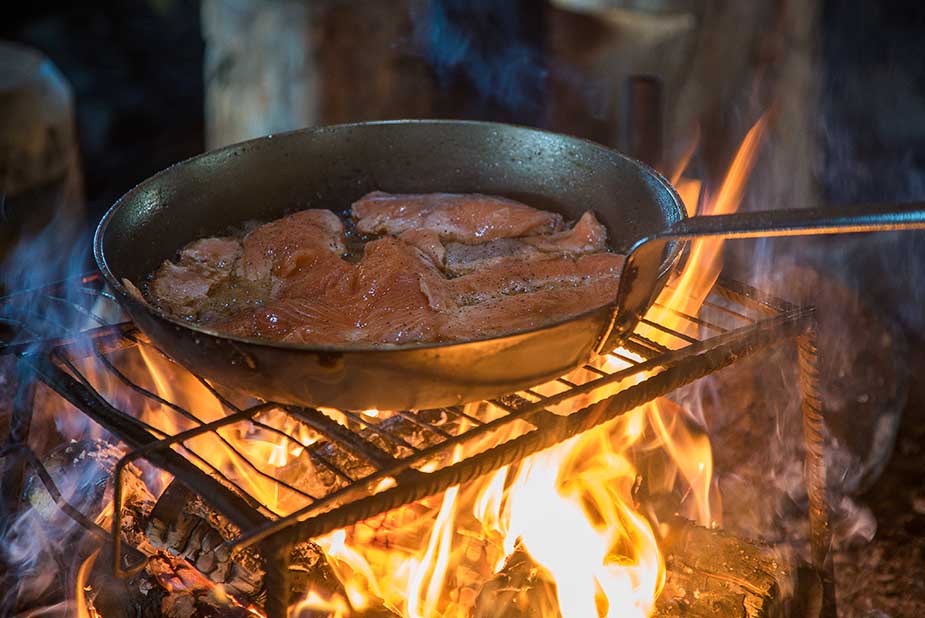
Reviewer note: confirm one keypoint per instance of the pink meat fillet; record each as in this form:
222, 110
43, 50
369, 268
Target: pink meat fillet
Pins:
470, 218
184, 287
281, 247
515, 268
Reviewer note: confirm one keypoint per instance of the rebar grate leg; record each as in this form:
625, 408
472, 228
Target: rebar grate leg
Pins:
814, 469
277, 578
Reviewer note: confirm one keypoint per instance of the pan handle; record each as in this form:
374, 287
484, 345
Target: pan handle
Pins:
800, 222
644, 258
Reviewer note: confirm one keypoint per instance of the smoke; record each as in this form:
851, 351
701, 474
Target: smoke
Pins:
59, 251
42, 546
487, 45
33, 542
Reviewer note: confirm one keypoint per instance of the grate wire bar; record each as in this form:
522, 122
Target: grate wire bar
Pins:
283, 473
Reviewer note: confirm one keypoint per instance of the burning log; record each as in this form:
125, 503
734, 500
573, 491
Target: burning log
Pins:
710, 574
521, 589
167, 588
189, 571
183, 532
184, 527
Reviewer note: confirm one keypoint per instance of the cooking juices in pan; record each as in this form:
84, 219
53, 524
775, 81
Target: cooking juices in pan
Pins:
403, 269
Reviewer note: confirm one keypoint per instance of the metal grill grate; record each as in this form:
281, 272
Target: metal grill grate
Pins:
301, 472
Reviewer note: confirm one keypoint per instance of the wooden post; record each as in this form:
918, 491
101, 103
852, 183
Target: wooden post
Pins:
261, 75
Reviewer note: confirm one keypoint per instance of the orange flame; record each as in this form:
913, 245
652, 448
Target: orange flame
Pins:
705, 261
602, 555
85, 608
571, 509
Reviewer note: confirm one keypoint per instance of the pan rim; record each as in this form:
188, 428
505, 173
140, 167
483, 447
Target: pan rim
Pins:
674, 252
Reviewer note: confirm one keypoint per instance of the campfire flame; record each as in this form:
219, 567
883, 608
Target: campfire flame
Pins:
571, 508
567, 520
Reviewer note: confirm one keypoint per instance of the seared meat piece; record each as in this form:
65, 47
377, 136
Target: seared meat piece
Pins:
428, 242
390, 304
471, 218
281, 247
510, 314
587, 236
514, 277
378, 300
183, 288
463, 259
217, 253
308, 298
452, 267
318, 321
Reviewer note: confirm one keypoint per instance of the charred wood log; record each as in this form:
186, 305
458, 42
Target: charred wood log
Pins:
710, 574
182, 525
521, 589
167, 588
189, 572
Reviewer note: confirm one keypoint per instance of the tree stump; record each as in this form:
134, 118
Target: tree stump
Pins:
40, 179
40, 184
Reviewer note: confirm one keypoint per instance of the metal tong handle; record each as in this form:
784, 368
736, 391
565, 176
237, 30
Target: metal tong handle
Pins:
644, 257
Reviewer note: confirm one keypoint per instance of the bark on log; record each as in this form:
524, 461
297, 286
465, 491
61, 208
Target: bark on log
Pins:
183, 526
713, 574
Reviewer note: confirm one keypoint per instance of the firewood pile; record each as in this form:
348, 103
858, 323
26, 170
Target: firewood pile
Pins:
189, 573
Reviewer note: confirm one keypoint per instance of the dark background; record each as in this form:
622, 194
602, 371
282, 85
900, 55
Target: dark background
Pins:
872, 116
136, 70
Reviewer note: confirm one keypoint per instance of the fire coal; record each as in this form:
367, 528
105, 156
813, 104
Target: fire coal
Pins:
708, 573
398, 502
213, 503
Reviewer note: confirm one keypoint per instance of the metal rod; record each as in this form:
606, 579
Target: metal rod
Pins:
308, 523
814, 469
341, 436
128, 429
276, 578
310, 453
644, 258
800, 221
